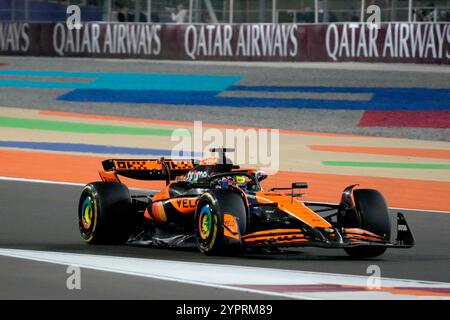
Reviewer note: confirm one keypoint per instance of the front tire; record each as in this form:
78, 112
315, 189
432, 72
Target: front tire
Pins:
209, 221
373, 216
105, 213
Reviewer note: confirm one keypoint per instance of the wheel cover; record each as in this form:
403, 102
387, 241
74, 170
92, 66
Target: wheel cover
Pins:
205, 222
87, 211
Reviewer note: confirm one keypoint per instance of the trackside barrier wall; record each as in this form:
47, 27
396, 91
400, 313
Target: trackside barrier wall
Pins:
393, 42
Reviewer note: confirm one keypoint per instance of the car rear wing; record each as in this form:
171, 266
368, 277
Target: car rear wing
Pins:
149, 169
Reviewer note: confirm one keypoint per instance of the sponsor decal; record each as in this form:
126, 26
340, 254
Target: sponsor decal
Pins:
14, 37
372, 41
399, 40
249, 40
108, 39
194, 176
185, 205
231, 226
187, 202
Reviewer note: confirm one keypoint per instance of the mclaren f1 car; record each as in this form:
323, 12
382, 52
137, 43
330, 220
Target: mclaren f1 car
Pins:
222, 209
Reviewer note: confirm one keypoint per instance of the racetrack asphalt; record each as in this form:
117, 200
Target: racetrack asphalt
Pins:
42, 217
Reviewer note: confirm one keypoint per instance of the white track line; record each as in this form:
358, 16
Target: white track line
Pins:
130, 266
151, 190
62, 183
232, 277
41, 181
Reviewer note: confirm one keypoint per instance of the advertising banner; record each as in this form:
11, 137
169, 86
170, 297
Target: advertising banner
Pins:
393, 42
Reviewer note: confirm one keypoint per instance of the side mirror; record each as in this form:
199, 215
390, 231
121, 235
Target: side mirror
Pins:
261, 175
299, 185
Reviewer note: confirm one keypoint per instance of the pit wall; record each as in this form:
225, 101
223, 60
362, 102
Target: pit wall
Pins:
394, 42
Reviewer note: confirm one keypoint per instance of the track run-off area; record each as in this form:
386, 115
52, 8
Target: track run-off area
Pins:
383, 127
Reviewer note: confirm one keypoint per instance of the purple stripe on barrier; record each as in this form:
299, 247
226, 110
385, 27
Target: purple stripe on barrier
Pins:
90, 148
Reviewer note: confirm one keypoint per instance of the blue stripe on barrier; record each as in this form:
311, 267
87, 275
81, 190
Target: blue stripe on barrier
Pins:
91, 148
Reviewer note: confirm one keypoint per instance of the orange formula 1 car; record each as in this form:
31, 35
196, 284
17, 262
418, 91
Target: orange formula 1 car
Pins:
222, 209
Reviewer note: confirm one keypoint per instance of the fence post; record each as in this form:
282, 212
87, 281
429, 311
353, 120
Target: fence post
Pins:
109, 10
231, 11
149, 10
274, 11
27, 10
363, 9
137, 10
410, 6
13, 10
191, 8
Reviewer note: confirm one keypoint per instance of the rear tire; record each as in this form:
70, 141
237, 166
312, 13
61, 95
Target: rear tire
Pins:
209, 216
373, 216
105, 213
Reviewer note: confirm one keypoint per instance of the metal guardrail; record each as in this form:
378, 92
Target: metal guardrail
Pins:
213, 11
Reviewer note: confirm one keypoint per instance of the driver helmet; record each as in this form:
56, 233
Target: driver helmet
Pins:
241, 182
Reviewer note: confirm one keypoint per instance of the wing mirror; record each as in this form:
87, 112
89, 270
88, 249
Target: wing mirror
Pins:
299, 185
261, 175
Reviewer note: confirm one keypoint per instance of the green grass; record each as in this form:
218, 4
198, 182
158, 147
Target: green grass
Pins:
394, 165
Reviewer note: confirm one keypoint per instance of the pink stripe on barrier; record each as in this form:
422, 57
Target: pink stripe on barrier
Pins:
411, 119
